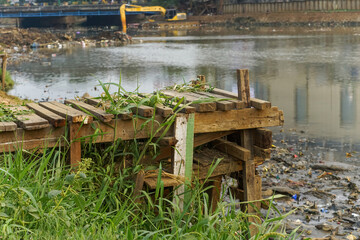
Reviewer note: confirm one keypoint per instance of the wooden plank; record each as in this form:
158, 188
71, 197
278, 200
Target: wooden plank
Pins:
243, 86
232, 149
54, 119
259, 104
4, 62
237, 119
144, 111
93, 101
67, 112
163, 110
262, 152
223, 105
7, 126
263, 138
184, 108
29, 121
75, 145
189, 98
98, 113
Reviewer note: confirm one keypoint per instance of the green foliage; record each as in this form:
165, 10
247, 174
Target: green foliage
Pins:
8, 114
9, 82
42, 199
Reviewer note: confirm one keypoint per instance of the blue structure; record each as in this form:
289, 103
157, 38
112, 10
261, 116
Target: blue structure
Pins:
64, 11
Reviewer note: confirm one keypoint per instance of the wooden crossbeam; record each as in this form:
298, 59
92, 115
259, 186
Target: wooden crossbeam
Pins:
232, 149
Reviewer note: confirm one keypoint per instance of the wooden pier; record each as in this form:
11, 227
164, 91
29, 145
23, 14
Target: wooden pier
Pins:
231, 127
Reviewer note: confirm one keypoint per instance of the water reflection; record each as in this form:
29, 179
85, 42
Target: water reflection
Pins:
313, 77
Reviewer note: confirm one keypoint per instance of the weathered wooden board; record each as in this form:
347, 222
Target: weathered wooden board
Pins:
144, 111
243, 86
232, 149
205, 159
7, 126
23, 139
169, 181
263, 138
98, 113
183, 108
254, 102
237, 119
125, 130
29, 121
163, 110
189, 98
222, 105
69, 113
53, 118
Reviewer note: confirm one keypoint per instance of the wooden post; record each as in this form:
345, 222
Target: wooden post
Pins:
243, 86
139, 183
215, 192
183, 154
75, 145
4, 59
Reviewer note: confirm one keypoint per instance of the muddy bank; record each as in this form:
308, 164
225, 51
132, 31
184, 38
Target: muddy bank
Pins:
321, 186
21, 43
282, 19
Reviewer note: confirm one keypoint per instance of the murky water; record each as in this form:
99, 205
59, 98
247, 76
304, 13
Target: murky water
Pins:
313, 76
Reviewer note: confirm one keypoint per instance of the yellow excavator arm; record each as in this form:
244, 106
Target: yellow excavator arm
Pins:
135, 8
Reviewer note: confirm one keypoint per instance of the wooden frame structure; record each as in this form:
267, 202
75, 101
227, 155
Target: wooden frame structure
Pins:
232, 125
3, 68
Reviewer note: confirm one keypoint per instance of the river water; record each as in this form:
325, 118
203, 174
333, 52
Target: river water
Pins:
312, 75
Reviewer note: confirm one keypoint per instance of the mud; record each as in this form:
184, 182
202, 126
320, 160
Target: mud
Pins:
323, 192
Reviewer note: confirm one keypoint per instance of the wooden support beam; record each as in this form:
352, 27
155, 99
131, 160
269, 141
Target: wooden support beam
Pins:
53, 118
98, 113
215, 192
263, 138
232, 149
243, 86
4, 62
249, 184
183, 155
203, 138
75, 145
237, 119
264, 153
139, 184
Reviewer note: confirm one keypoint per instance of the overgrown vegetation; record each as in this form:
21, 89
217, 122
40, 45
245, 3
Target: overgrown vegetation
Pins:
8, 113
9, 82
42, 198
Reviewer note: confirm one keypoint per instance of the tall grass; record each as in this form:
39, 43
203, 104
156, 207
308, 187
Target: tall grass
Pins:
40, 198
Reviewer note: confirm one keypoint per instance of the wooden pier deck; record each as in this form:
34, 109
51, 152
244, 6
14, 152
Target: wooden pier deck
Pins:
231, 125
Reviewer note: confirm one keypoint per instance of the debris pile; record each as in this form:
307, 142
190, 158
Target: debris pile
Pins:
323, 194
